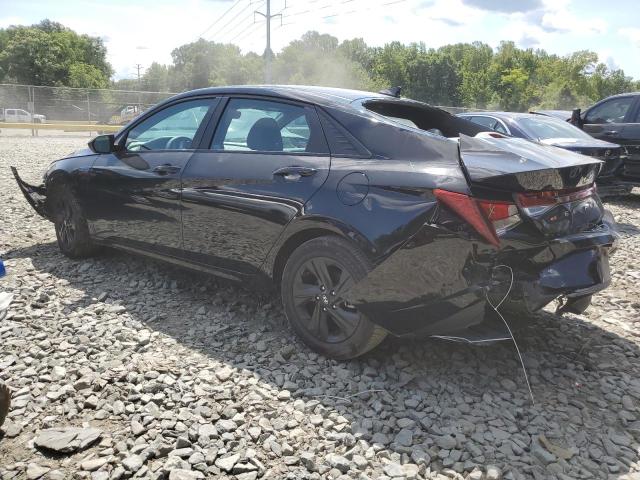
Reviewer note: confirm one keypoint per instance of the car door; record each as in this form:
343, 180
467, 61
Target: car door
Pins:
615, 120
23, 116
135, 192
266, 159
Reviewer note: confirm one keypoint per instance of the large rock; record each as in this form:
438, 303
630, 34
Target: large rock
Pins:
67, 439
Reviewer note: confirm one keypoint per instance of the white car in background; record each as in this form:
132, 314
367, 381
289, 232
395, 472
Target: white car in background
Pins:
17, 115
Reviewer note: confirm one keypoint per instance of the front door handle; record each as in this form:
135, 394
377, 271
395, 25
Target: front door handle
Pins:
294, 173
166, 169
611, 133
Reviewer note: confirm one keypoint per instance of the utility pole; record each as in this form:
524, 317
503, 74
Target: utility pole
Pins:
267, 52
138, 68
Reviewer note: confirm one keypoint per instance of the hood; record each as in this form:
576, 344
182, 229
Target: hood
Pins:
517, 165
83, 152
578, 143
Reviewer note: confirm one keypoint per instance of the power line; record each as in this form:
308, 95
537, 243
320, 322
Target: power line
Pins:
252, 27
230, 22
232, 32
219, 18
366, 6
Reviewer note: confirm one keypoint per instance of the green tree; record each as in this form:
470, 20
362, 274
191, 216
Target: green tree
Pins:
50, 54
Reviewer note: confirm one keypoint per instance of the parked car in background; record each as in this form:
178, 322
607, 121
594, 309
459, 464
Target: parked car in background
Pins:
561, 114
366, 223
551, 130
17, 115
125, 115
616, 119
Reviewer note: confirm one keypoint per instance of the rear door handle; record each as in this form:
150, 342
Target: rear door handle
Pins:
166, 169
611, 133
294, 173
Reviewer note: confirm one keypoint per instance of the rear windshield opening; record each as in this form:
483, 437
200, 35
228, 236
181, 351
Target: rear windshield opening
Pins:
424, 117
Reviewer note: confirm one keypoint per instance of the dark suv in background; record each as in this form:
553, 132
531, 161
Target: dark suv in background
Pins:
616, 119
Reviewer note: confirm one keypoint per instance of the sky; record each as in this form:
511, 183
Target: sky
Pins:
143, 31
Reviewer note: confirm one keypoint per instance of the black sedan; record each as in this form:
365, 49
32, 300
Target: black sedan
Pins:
552, 130
365, 221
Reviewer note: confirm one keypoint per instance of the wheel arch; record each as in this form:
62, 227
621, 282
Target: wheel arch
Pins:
302, 231
54, 181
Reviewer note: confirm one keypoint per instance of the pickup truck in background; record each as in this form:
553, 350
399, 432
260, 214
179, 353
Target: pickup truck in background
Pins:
17, 115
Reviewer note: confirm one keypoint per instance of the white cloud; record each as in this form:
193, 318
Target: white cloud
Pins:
631, 34
563, 21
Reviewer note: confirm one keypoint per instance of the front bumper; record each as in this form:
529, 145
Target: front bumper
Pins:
35, 195
439, 283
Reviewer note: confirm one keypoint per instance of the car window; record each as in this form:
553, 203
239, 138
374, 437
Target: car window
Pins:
485, 121
611, 111
172, 128
541, 127
23, 112
267, 126
499, 127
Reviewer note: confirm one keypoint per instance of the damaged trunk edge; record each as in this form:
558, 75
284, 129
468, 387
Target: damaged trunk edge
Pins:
35, 195
440, 280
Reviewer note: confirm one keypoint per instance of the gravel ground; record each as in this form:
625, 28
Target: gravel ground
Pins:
125, 367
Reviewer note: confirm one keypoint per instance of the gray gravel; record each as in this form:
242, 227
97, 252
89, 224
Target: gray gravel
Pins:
172, 375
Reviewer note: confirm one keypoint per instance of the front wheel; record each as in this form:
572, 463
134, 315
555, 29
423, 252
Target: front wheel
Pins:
315, 278
71, 227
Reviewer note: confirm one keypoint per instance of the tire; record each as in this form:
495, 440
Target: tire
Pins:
71, 226
313, 278
5, 402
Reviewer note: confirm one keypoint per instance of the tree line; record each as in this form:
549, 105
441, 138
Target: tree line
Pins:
462, 75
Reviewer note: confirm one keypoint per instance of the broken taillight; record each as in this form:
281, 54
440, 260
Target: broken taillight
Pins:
536, 202
503, 215
487, 217
563, 211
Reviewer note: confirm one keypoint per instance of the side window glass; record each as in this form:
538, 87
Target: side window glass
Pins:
485, 121
499, 127
612, 111
172, 128
267, 126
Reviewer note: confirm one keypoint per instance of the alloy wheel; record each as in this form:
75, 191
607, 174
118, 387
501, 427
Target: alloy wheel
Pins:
317, 294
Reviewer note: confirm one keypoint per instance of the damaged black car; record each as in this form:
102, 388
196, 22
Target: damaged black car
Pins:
371, 214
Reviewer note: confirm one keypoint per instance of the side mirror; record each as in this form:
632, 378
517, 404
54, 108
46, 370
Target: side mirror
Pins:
576, 117
103, 144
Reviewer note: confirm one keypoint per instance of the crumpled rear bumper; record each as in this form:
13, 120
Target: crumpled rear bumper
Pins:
35, 195
439, 283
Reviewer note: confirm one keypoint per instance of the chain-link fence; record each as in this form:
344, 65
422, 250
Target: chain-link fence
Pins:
78, 105
85, 106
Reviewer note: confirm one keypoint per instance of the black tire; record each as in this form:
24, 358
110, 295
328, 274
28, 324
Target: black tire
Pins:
5, 402
71, 226
313, 278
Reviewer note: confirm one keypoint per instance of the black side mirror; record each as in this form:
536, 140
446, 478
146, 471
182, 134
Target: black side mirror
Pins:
576, 117
103, 144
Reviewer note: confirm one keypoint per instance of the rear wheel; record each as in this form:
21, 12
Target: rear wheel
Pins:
315, 278
71, 227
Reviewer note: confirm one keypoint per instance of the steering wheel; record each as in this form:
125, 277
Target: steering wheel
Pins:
178, 143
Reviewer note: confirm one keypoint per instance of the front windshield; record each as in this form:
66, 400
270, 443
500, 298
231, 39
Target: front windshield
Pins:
541, 128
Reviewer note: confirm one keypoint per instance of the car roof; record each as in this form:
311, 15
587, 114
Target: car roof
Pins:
313, 94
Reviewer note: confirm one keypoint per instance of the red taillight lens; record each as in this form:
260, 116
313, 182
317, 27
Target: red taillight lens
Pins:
503, 215
469, 210
549, 198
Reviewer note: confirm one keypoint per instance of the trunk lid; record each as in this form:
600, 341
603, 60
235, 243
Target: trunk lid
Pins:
552, 188
518, 165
